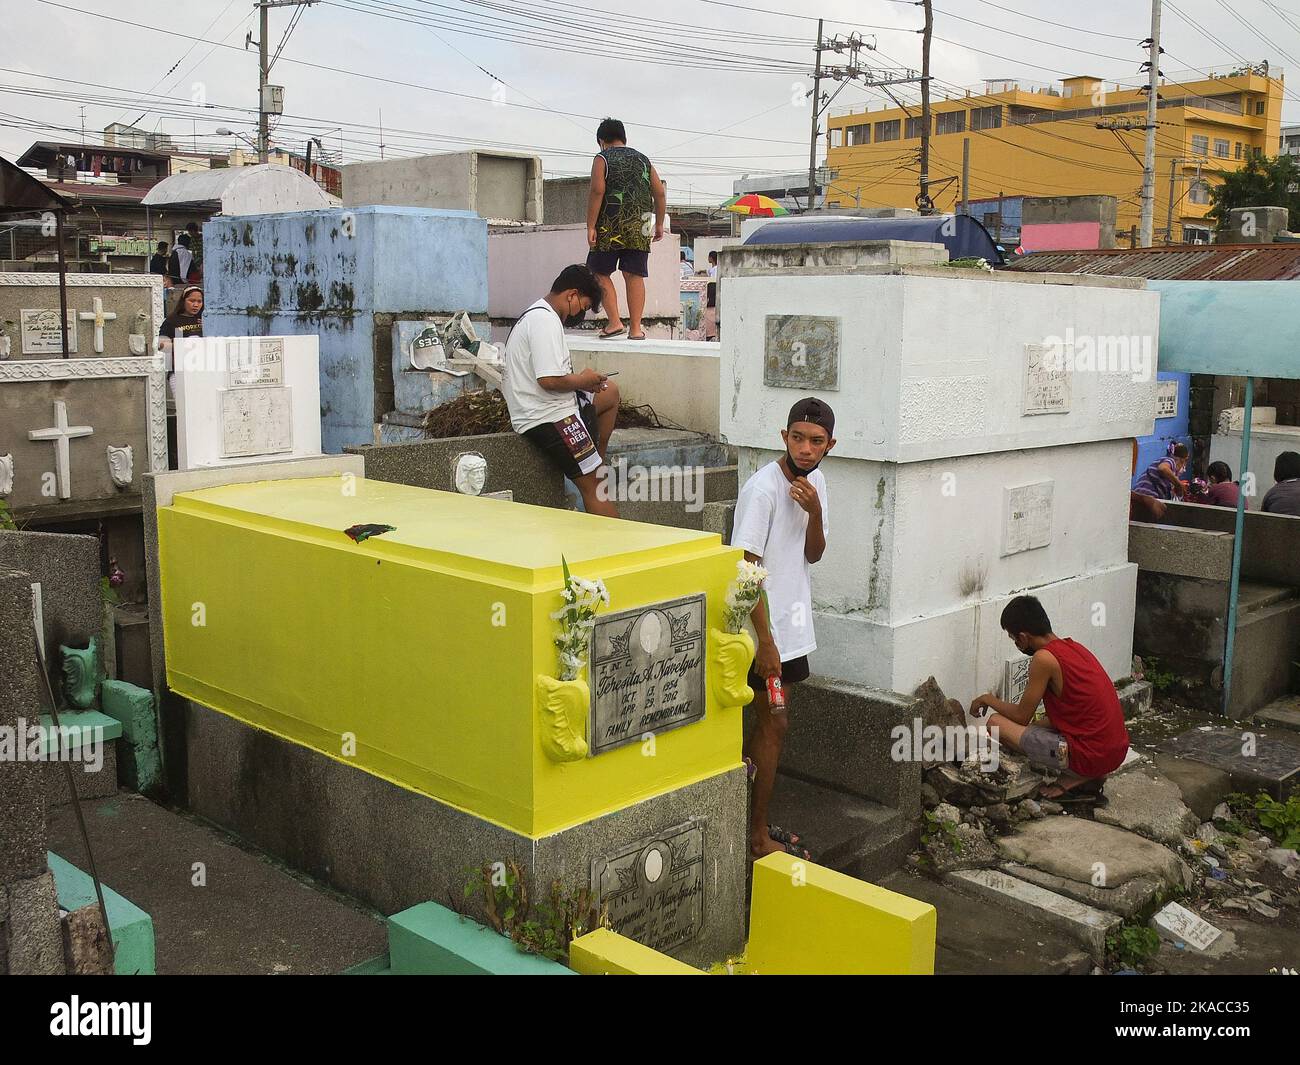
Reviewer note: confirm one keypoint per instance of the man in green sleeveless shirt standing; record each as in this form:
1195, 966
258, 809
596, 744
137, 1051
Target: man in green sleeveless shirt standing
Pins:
625, 212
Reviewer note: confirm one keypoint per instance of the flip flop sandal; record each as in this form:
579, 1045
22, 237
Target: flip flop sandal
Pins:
786, 839
615, 334
796, 851
751, 770
1083, 795
641, 337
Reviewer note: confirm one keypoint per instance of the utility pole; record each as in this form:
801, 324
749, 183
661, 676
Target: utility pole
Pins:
263, 127
855, 70
965, 175
923, 202
1149, 156
264, 103
816, 112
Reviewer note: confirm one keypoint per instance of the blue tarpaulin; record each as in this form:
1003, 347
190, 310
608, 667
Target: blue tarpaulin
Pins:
963, 236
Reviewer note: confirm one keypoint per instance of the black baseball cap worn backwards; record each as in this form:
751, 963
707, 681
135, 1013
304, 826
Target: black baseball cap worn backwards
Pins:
813, 410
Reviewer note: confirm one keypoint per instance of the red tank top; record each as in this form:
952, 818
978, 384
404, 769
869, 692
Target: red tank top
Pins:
1087, 712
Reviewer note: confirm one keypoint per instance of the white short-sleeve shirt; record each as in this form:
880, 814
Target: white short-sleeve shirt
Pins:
773, 526
536, 348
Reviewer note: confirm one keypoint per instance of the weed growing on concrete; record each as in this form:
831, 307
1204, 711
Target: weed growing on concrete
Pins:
557, 922
1132, 945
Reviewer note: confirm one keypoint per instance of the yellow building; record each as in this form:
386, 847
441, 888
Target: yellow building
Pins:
1063, 140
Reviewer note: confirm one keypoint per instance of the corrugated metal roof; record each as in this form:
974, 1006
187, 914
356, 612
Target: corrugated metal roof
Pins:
1184, 262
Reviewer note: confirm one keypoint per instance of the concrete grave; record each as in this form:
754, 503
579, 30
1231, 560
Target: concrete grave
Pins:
63, 576
30, 938
345, 276
523, 261
111, 315
80, 433
516, 775
495, 185
1255, 760
511, 465
955, 432
244, 399
1092, 853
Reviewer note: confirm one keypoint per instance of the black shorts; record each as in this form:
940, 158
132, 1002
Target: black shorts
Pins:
624, 259
547, 438
792, 672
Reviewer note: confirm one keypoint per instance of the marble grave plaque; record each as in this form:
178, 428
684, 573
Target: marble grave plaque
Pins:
654, 888
802, 351
256, 421
1026, 517
40, 331
647, 671
254, 361
1166, 399
1047, 381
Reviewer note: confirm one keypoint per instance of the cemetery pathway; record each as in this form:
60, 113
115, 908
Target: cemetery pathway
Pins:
250, 915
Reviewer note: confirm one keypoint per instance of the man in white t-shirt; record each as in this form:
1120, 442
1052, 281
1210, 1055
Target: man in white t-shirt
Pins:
782, 522
569, 416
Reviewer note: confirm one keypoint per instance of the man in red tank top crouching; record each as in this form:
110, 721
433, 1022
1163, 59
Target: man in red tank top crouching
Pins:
1086, 738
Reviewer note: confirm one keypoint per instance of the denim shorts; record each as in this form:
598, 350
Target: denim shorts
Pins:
1043, 746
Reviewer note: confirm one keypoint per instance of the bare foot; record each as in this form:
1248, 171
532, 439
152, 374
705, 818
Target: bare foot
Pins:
759, 848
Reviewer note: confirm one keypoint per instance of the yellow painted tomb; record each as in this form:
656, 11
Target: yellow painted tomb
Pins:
423, 655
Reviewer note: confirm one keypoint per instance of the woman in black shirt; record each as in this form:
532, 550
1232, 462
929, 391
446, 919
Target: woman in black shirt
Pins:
186, 320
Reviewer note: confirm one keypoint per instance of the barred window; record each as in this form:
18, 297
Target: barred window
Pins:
888, 131
986, 118
915, 127
1220, 148
860, 134
1200, 144
951, 122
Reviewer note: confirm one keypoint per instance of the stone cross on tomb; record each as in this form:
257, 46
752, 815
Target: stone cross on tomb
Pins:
61, 432
99, 316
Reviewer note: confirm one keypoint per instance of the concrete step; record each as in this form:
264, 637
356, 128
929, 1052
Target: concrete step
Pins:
844, 832
1084, 924
1281, 713
976, 939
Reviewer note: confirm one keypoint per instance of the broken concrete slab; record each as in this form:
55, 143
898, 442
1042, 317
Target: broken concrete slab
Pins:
966, 848
1202, 786
934, 708
1085, 924
1149, 804
1135, 698
1125, 900
1092, 853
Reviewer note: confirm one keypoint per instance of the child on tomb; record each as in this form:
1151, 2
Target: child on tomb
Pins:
1159, 482
781, 522
1085, 737
568, 416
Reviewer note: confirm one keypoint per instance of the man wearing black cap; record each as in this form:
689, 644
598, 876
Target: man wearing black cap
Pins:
781, 522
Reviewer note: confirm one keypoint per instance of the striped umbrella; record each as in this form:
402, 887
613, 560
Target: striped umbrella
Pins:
755, 206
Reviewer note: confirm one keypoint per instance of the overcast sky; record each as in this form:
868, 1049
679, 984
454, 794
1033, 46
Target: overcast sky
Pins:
685, 65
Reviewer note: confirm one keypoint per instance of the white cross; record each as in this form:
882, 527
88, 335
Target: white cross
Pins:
61, 432
99, 316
